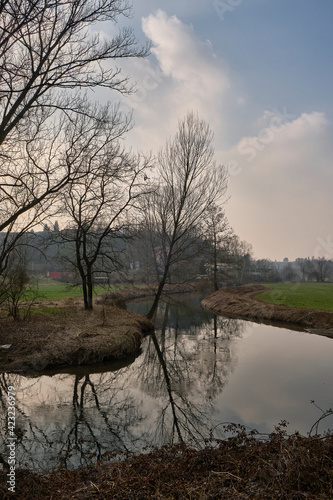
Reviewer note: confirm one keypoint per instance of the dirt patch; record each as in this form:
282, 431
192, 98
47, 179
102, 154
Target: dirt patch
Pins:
241, 467
241, 302
70, 336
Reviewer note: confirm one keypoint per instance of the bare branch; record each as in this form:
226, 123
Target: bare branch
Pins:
191, 183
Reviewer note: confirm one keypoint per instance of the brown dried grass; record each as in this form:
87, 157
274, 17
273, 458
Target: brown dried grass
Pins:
241, 467
71, 337
241, 302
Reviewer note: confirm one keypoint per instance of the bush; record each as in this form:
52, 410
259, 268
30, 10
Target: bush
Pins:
17, 293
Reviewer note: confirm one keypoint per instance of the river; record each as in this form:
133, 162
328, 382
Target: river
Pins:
196, 373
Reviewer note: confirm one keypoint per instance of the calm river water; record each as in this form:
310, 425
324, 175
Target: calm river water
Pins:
197, 372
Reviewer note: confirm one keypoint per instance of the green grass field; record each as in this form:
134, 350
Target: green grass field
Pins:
307, 295
55, 290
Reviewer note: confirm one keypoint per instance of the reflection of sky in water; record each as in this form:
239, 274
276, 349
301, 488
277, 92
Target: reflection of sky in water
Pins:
278, 373
196, 374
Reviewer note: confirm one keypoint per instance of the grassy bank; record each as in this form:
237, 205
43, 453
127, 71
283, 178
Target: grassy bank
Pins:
317, 296
242, 302
60, 333
51, 290
245, 466
70, 336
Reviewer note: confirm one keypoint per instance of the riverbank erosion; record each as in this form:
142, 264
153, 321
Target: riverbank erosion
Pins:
64, 334
241, 302
244, 466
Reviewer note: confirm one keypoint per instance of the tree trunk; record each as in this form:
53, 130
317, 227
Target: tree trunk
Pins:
158, 295
85, 293
90, 287
161, 284
216, 287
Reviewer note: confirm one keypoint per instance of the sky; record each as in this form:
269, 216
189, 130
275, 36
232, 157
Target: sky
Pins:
260, 73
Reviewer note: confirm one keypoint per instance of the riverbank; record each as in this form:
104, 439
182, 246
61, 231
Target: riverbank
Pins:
60, 333
70, 336
140, 291
245, 466
241, 302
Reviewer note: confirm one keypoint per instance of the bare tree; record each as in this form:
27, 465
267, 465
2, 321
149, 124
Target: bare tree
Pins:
98, 203
239, 258
190, 182
17, 290
37, 171
49, 55
217, 234
289, 272
302, 267
50, 45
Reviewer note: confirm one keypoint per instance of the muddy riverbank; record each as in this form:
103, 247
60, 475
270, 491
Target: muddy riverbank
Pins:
241, 302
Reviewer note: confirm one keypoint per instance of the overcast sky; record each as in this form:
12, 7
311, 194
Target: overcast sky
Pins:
261, 73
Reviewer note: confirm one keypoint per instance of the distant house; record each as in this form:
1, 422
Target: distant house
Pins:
54, 275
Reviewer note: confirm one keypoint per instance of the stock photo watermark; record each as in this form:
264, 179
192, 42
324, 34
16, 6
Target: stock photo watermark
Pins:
324, 248
11, 445
251, 146
150, 82
225, 7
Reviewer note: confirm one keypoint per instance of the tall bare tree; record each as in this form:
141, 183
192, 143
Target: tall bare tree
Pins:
190, 183
49, 56
98, 203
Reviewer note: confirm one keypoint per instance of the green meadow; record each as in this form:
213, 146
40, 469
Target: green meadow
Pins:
307, 295
54, 290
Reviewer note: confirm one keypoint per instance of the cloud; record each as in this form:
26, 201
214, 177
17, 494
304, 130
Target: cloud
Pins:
279, 195
186, 59
184, 74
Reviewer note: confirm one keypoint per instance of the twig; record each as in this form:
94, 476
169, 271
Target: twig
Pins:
229, 473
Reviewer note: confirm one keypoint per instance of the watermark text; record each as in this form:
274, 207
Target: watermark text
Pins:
11, 446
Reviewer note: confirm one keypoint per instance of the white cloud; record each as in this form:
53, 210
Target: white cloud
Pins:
184, 57
185, 75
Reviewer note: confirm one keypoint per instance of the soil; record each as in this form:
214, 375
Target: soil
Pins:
242, 302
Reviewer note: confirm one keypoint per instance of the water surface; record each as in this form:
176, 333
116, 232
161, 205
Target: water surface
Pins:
197, 372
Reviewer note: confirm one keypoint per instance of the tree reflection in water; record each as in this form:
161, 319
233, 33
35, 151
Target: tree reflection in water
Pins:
98, 418
166, 395
185, 368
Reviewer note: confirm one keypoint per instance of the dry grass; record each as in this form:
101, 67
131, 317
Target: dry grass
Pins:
71, 337
60, 333
241, 302
241, 467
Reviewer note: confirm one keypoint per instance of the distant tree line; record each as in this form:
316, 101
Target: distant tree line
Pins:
302, 269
